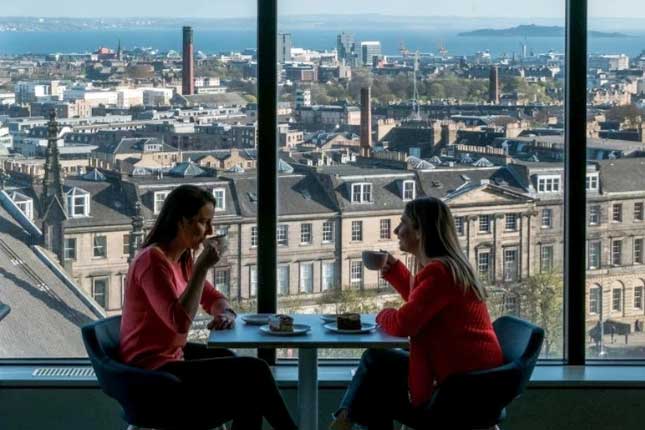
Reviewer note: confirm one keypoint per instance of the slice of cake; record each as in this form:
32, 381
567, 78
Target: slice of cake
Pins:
280, 322
348, 321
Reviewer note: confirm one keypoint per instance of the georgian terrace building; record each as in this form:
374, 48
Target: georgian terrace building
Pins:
509, 220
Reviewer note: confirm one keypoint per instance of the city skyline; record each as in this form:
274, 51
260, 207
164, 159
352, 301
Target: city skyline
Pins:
205, 8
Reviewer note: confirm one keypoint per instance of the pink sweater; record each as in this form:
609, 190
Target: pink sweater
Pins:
154, 325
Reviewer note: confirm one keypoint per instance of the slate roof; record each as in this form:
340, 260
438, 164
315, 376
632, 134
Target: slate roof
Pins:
46, 313
622, 175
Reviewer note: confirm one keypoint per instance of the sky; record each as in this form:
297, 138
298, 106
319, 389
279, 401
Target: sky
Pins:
244, 8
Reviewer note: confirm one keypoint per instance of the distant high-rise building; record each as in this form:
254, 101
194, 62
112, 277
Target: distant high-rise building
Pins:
369, 50
345, 47
188, 82
493, 85
285, 43
366, 121
303, 98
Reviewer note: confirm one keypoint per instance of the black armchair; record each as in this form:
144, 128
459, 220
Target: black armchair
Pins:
150, 399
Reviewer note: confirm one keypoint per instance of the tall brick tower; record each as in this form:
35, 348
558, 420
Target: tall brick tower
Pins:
493, 86
188, 82
366, 121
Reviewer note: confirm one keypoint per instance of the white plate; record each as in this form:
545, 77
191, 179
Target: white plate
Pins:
365, 328
298, 329
256, 319
328, 317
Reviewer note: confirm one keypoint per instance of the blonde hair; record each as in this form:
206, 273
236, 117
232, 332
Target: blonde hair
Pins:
439, 241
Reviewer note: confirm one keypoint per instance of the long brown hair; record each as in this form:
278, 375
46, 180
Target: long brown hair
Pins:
184, 202
440, 242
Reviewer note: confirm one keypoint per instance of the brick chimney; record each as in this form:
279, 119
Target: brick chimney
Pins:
188, 71
366, 121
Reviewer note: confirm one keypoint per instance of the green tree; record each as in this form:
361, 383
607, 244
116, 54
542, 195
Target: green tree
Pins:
542, 301
629, 114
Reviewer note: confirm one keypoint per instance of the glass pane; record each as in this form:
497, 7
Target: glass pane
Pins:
134, 122
452, 111
615, 182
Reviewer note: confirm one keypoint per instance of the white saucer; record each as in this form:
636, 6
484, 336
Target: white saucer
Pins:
298, 329
256, 319
365, 328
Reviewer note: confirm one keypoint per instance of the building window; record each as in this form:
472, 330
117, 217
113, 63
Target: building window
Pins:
100, 246
546, 258
222, 280
617, 212
328, 232
591, 182
617, 299
484, 223
511, 305
126, 244
483, 264
305, 234
638, 298
100, 291
78, 205
595, 300
638, 211
616, 252
409, 190
594, 215
638, 250
220, 199
361, 193
593, 257
459, 225
547, 218
356, 274
307, 278
385, 229
510, 264
160, 197
357, 231
122, 280
253, 282
328, 276
511, 222
283, 279
254, 236
70, 248
549, 184
27, 208
283, 235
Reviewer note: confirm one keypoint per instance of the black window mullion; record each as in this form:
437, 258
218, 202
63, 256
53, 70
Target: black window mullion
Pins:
575, 173
267, 150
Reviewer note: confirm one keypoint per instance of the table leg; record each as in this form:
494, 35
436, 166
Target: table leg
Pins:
308, 388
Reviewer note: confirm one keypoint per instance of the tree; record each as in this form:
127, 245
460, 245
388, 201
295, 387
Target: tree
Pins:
542, 301
629, 114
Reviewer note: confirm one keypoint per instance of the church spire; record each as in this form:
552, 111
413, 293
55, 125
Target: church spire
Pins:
137, 234
118, 52
53, 182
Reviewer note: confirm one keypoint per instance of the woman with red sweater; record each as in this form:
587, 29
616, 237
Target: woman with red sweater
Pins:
444, 315
163, 292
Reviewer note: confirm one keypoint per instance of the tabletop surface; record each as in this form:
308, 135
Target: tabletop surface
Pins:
244, 336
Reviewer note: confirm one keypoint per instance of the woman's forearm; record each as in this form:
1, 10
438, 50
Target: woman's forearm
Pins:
192, 295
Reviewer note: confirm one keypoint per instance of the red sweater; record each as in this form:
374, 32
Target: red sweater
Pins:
450, 331
154, 325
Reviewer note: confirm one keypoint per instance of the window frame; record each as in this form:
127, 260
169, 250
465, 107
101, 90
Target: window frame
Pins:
328, 232
356, 231
104, 246
106, 294
306, 237
222, 199
157, 205
385, 226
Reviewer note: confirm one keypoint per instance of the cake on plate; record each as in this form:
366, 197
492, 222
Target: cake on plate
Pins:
281, 323
348, 321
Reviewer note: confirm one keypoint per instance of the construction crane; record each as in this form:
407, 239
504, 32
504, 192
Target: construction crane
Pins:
415, 114
403, 50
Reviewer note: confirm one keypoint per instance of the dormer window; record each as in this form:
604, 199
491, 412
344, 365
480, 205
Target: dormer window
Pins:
160, 197
362, 193
78, 203
220, 199
591, 182
409, 190
549, 184
24, 203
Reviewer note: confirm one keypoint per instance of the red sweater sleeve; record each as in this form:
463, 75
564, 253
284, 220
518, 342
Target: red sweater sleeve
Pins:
156, 282
399, 277
210, 296
426, 300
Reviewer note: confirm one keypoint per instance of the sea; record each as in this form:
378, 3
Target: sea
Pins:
220, 41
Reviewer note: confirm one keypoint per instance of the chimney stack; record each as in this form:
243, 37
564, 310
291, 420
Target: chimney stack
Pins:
493, 86
366, 121
188, 82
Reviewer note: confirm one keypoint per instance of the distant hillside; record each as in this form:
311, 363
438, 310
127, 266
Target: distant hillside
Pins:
533, 31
